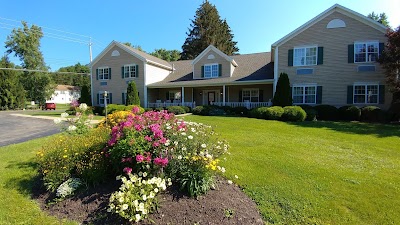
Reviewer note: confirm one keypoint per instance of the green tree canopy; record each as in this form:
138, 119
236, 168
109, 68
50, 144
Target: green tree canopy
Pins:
25, 43
380, 18
206, 29
282, 95
132, 97
77, 79
167, 55
138, 47
12, 94
390, 62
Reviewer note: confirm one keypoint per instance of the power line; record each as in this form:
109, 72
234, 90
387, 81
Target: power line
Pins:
43, 71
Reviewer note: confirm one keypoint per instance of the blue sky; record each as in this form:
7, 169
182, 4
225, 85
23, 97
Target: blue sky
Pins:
154, 24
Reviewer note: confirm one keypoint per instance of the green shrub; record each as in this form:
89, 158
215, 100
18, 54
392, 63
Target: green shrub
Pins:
198, 110
311, 112
282, 95
241, 110
114, 107
187, 109
98, 110
370, 114
349, 113
132, 96
78, 156
159, 109
130, 107
214, 110
148, 109
228, 110
273, 113
326, 112
176, 110
259, 113
294, 113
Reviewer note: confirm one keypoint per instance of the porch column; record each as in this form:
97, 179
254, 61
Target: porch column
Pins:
183, 95
223, 95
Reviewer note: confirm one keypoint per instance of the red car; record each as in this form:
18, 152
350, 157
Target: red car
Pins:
49, 106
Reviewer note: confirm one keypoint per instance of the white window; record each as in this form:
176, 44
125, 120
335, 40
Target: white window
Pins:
366, 51
102, 98
366, 93
304, 94
174, 95
306, 56
211, 70
103, 73
130, 71
251, 95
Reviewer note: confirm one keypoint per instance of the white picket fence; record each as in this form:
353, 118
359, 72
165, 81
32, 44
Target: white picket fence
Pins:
249, 105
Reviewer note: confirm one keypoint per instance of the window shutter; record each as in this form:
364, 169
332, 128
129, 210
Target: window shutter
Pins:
109, 73
98, 98
290, 57
137, 71
381, 94
381, 48
167, 96
320, 59
350, 94
122, 73
123, 98
350, 51
240, 96
220, 70
110, 96
290, 92
202, 71
319, 95
260, 95
97, 74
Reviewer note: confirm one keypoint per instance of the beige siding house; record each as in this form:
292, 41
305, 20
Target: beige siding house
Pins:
330, 60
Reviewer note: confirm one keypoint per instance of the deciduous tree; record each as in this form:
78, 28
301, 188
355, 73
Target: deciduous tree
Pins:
167, 55
12, 94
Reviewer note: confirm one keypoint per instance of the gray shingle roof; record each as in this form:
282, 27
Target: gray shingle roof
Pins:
149, 57
251, 67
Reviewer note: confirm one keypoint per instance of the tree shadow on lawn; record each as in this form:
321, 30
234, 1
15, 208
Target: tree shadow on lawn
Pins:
379, 130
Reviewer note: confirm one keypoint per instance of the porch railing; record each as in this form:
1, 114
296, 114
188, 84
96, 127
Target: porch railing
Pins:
167, 104
249, 105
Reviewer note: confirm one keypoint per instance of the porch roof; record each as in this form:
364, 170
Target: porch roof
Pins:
252, 68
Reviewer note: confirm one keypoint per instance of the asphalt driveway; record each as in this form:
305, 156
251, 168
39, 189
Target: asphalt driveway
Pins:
15, 129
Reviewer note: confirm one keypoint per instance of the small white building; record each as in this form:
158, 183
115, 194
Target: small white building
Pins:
64, 94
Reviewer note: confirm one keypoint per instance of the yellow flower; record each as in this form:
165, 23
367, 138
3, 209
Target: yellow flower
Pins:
65, 156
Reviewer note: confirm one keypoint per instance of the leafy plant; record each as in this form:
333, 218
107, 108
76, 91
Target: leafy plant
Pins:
282, 95
68, 187
294, 113
132, 97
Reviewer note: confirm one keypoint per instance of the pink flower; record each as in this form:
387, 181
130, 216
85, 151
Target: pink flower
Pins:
135, 110
156, 144
163, 140
127, 170
147, 157
138, 127
147, 138
129, 159
139, 158
161, 161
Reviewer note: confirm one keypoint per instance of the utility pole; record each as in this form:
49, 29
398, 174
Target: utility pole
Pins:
90, 48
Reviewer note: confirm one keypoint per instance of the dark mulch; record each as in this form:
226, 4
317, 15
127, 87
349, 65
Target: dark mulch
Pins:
225, 205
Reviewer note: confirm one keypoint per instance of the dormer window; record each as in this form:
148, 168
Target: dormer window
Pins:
211, 70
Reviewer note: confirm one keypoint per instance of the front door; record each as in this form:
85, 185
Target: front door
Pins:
211, 97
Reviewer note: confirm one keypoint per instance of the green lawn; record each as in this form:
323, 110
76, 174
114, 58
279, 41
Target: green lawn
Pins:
17, 175
315, 172
298, 173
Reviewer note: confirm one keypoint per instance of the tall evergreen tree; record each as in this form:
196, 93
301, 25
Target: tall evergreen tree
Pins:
132, 97
282, 95
85, 95
206, 29
380, 18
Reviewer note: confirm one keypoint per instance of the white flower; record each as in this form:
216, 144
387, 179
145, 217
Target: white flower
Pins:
144, 197
124, 206
236, 176
57, 120
183, 148
140, 174
121, 199
203, 145
83, 107
148, 166
137, 217
156, 190
179, 157
167, 143
183, 133
64, 115
190, 137
222, 169
144, 174
71, 128
230, 182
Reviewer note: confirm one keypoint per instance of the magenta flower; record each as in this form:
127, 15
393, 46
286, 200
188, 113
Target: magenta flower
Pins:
161, 161
147, 157
156, 144
147, 138
135, 110
127, 170
139, 158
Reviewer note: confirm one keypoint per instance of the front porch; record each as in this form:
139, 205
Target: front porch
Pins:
249, 96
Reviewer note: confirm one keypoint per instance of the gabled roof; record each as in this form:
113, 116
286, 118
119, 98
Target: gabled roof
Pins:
62, 87
256, 68
334, 8
136, 53
219, 52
